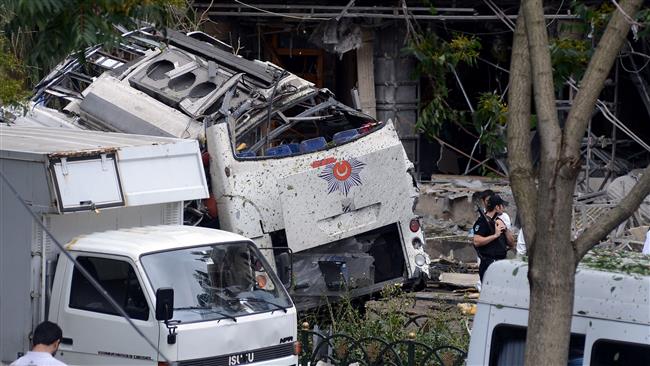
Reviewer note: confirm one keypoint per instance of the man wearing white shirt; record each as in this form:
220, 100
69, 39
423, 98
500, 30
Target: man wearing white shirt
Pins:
46, 340
503, 216
646, 245
521, 243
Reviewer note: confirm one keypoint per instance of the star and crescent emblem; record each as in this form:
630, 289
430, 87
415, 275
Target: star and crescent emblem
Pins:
342, 175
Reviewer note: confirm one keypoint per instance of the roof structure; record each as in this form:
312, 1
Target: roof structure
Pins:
41, 140
134, 242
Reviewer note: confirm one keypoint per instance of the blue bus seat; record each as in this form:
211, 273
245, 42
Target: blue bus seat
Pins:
314, 144
280, 150
344, 136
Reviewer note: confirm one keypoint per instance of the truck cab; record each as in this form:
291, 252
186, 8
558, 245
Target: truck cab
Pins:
611, 314
117, 201
229, 308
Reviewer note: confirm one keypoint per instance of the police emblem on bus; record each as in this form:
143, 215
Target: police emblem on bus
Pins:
342, 175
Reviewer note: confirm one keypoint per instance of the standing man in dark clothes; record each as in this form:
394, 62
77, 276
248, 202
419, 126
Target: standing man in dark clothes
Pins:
483, 196
490, 235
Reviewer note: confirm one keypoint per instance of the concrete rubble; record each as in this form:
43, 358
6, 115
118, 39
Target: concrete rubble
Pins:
447, 211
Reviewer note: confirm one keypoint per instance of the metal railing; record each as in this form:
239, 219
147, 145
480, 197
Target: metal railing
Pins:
340, 349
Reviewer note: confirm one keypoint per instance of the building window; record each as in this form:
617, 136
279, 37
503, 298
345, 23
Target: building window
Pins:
606, 352
117, 278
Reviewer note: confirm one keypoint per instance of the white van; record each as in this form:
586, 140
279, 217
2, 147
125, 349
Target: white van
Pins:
610, 325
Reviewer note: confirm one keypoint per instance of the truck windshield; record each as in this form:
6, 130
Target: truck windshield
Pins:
216, 281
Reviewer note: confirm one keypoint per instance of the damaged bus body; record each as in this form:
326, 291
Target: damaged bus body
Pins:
316, 184
349, 227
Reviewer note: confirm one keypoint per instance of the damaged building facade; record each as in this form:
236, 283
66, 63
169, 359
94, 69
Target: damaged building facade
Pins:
358, 50
273, 119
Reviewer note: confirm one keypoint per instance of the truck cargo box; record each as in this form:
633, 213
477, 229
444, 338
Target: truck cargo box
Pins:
79, 182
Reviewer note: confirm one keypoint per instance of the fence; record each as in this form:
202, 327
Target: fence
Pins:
341, 350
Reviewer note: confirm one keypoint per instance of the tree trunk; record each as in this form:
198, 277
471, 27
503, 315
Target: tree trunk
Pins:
551, 263
551, 277
547, 213
550, 312
520, 163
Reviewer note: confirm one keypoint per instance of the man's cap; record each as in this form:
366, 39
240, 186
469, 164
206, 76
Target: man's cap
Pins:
496, 200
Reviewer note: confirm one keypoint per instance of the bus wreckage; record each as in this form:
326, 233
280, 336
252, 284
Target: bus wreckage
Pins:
325, 191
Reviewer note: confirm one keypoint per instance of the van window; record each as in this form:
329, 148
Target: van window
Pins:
606, 352
509, 341
117, 278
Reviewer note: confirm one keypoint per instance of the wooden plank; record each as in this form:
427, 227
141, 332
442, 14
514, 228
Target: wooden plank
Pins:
366, 74
459, 279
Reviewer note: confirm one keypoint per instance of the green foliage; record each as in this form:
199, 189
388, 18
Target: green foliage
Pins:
44, 32
436, 55
386, 320
621, 261
435, 58
465, 49
491, 108
570, 55
12, 77
436, 113
12, 71
643, 17
595, 17
569, 58
490, 120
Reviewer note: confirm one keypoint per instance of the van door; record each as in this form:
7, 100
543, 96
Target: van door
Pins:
93, 332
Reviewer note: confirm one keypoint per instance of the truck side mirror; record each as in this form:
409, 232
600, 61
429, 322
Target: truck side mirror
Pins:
164, 303
284, 265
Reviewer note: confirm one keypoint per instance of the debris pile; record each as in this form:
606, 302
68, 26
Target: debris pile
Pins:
442, 265
450, 198
448, 212
588, 207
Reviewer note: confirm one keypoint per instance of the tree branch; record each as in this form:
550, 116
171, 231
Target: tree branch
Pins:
592, 82
612, 218
542, 73
519, 154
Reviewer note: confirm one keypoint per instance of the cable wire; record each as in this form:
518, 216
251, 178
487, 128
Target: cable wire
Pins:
613, 119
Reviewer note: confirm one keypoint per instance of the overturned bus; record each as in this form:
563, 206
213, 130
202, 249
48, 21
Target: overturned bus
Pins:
325, 191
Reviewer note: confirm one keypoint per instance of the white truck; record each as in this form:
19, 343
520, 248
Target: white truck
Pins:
201, 296
611, 314
299, 173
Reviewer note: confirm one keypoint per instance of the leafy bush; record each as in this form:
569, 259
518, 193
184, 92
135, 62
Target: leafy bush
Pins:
390, 321
436, 57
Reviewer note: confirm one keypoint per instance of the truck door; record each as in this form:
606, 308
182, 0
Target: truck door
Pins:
93, 331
